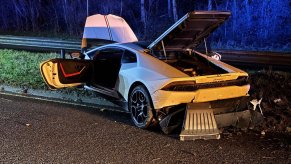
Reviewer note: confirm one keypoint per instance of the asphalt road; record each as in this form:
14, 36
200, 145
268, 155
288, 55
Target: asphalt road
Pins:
34, 131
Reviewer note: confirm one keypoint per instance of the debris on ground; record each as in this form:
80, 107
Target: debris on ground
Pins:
257, 103
270, 95
274, 88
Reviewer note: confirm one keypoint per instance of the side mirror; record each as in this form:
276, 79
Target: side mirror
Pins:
74, 55
77, 55
63, 54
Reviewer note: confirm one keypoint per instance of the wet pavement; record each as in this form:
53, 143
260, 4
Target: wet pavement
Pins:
35, 131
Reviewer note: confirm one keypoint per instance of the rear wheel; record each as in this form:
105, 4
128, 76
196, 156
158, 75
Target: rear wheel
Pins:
141, 108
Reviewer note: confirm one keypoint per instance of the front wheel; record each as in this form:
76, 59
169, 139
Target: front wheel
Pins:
140, 107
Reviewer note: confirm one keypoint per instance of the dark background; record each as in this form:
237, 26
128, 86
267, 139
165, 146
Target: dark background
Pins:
262, 25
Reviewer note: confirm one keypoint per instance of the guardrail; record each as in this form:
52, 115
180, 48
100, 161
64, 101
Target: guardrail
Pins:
229, 56
38, 44
253, 57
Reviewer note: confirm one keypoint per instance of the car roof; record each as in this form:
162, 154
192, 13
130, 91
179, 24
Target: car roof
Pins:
135, 46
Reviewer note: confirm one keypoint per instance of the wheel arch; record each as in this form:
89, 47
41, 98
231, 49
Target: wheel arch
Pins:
137, 83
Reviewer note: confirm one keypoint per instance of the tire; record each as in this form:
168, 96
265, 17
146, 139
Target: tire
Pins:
140, 107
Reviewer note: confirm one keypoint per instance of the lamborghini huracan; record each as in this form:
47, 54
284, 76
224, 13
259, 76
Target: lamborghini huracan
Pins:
158, 80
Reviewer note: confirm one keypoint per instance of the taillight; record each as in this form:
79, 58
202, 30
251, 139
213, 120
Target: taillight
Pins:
242, 80
181, 86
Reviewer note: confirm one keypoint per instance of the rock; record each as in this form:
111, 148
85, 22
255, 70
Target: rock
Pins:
277, 101
226, 133
238, 133
263, 133
25, 90
167, 145
78, 100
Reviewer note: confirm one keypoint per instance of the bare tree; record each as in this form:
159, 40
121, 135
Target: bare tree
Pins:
248, 14
20, 14
121, 7
143, 16
234, 17
87, 7
175, 10
33, 9
65, 15
169, 9
209, 4
3, 23
142, 12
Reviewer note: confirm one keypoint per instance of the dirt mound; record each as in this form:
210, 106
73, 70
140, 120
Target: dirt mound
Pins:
275, 90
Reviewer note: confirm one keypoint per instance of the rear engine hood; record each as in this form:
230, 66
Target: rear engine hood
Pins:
108, 27
190, 30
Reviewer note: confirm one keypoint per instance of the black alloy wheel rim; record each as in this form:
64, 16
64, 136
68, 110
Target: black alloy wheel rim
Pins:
139, 107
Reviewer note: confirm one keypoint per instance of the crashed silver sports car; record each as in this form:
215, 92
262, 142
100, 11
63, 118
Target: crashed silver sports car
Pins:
167, 82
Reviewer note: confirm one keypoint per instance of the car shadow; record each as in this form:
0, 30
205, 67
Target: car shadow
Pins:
119, 115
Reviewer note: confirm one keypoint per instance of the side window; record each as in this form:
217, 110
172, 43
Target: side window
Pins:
128, 57
108, 53
92, 54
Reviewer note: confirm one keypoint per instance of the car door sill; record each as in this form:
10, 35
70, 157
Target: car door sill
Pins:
111, 95
102, 90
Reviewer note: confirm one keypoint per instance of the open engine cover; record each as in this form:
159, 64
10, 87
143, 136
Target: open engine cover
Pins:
108, 27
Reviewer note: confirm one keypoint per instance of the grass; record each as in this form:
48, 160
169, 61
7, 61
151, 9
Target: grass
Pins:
21, 68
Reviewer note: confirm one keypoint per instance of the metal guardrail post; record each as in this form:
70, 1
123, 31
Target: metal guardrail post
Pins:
63, 54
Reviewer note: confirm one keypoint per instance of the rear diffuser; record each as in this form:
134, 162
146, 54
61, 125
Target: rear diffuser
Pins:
199, 123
